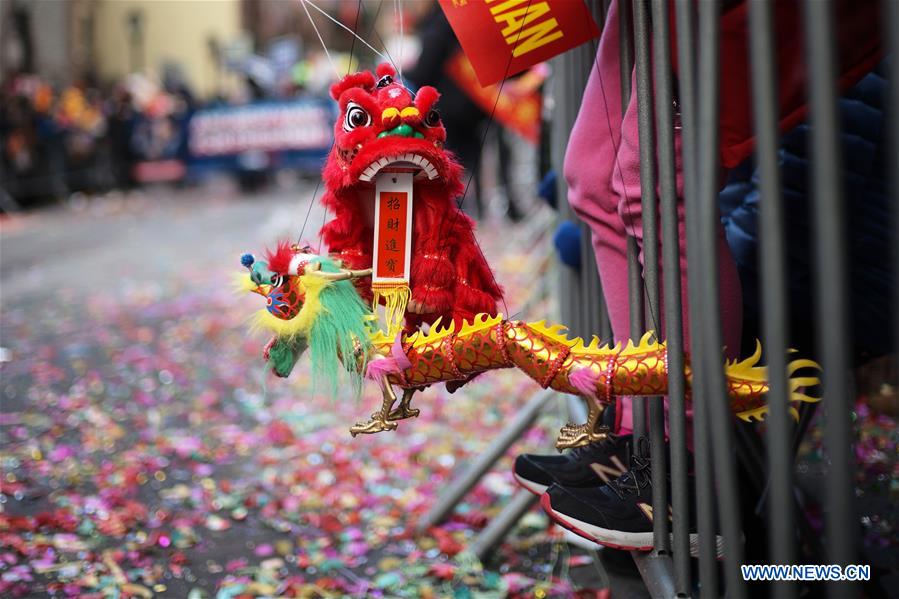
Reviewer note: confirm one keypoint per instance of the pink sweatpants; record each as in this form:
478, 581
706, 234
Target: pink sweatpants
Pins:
602, 169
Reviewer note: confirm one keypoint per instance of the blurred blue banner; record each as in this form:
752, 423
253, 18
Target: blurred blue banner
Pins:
262, 135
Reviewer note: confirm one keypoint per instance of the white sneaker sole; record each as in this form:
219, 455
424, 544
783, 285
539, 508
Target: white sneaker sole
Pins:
630, 541
535, 488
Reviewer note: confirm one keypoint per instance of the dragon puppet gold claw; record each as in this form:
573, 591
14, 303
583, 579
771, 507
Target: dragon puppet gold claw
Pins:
313, 305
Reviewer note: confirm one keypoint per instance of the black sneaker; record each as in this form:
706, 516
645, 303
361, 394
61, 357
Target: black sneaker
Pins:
618, 514
588, 466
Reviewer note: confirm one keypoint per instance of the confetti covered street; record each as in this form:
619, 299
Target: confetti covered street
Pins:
146, 452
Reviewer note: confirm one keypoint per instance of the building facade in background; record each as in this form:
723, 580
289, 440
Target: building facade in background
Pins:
139, 35
105, 40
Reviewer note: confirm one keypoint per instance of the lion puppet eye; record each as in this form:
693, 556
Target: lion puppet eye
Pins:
356, 116
432, 118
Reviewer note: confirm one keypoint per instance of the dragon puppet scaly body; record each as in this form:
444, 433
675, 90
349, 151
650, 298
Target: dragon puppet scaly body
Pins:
382, 126
325, 314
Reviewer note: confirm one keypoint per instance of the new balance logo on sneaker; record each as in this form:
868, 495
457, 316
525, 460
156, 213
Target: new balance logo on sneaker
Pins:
618, 514
587, 466
647, 511
607, 473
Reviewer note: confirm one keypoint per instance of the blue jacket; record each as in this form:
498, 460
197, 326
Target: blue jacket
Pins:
869, 223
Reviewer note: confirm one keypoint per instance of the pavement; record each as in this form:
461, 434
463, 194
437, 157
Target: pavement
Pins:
145, 451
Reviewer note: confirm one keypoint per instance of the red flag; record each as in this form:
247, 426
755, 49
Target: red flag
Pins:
516, 103
504, 37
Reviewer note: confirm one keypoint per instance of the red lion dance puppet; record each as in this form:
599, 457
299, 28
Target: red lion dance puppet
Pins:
384, 128
386, 135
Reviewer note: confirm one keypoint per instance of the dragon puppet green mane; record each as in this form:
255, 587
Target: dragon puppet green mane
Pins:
330, 318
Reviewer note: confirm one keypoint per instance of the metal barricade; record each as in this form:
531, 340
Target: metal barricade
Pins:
720, 445
727, 455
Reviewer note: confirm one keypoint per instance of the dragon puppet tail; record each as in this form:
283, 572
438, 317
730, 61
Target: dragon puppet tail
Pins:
341, 328
746, 379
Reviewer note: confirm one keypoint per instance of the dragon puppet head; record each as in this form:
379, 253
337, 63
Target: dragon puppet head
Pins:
310, 302
279, 279
383, 124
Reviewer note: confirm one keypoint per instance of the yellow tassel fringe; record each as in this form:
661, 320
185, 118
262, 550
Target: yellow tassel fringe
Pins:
396, 297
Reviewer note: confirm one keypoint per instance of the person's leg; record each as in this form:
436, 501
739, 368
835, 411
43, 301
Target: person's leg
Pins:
626, 186
589, 161
602, 168
504, 171
466, 145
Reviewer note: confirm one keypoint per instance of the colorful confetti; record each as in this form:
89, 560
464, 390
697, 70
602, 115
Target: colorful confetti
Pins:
145, 452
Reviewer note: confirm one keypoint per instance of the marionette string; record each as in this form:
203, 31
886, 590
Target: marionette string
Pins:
627, 206
360, 10
349, 67
446, 220
344, 27
333, 66
398, 10
309, 208
374, 32
318, 33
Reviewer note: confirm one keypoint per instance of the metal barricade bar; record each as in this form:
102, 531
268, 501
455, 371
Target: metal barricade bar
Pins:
460, 486
705, 506
772, 262
657, 574
521, 502
634, 270
831, 286
708, 339
649, 225
673, 305
891, 23
505, 521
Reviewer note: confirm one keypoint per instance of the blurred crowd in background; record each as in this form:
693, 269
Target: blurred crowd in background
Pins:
87, 136
117, 99
84, 136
